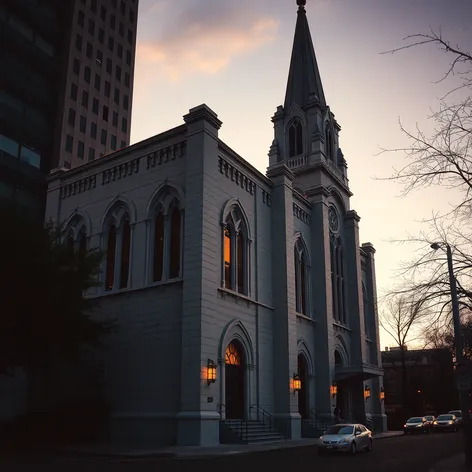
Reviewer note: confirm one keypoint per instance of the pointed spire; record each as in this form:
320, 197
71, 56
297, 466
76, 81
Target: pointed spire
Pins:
304, 81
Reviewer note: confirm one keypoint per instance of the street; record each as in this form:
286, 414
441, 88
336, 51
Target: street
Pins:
397, 454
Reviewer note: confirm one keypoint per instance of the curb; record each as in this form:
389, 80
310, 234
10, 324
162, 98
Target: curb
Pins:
131, 457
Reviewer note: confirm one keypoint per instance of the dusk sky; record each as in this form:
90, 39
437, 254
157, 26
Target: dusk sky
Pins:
234, 56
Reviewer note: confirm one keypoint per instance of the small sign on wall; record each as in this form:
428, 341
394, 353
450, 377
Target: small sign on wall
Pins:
209, 399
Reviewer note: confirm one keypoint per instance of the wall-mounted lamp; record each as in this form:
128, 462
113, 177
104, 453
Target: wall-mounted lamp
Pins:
334, 389
297, 383
382, 394
366, 392
211, 371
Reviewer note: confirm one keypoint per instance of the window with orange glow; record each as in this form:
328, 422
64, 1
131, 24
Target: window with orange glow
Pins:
232, 355
227, 258
240, 267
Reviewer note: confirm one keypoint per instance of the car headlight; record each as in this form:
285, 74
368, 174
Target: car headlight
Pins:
404, 425
451, 422
344, 441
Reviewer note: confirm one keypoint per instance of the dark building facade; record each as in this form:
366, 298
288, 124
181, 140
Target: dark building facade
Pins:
430, 383
65, 88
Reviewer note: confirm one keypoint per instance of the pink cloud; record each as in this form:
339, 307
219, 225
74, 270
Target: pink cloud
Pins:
194, 42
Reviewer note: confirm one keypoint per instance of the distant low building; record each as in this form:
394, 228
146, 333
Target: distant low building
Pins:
430, 383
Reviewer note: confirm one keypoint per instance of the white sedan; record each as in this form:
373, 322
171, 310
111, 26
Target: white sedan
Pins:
345, 438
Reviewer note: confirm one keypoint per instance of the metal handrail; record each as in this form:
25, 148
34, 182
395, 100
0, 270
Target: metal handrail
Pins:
273, 424
240, 426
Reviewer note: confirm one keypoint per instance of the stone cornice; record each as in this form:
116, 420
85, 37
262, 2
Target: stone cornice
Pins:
137, 148
316, 191
230, 153
368, 248
320, 165
203, 112
352, 215
279, 169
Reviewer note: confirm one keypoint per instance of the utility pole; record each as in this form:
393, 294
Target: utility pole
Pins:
462, 373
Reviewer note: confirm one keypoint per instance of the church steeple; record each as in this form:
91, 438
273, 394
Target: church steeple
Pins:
304, 79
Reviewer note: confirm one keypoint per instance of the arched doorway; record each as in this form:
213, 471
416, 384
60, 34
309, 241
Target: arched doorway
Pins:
234, 380
342, 404
303, 405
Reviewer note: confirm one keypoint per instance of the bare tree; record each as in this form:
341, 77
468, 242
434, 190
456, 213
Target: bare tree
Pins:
443, 158
403, 317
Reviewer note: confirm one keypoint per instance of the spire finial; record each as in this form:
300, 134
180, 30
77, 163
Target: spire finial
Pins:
301, 4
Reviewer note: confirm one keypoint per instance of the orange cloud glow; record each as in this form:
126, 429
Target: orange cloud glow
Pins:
206, 48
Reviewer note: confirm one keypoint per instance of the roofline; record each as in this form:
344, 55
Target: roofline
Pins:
55, 174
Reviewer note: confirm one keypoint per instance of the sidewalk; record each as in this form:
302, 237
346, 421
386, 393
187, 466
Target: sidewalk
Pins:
187, 452
451, 464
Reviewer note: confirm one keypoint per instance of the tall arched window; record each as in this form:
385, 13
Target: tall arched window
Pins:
337, 279
125, 253
76, 239
235, 253
158, 259
329, 145
166, 236
118, 248
365, 303
295, 138
111, 255
82, 241
301, 279
175, 243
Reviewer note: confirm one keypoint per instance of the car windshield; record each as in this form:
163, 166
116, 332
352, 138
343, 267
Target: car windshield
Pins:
429, 418
456, 413
340, 429
415, 420
445, 417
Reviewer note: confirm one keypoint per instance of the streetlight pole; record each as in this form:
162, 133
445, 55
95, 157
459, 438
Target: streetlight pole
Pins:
460, 360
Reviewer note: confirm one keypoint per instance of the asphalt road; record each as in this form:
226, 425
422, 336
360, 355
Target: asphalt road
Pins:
397, 454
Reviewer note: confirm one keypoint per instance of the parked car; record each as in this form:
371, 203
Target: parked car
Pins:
430, 419
346, 438
445, 422
458, 415
416, 424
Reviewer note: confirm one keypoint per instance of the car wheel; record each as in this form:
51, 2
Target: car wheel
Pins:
353, 448
370, 446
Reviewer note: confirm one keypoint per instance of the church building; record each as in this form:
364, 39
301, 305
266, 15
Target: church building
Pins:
243, 299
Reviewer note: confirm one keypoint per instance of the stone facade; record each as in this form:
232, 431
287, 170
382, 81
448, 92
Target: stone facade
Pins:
205, 254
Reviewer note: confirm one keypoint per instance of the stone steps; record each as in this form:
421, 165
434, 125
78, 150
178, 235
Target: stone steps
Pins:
250, 432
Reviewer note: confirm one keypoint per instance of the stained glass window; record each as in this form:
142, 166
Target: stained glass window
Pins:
232, 356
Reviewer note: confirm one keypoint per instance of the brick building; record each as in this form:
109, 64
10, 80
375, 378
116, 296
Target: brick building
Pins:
430, 383
240, 295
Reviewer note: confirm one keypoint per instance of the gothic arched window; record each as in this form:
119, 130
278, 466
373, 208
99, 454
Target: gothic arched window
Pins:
166, 236
118, 248
301, 279
365, 303
111, 255
329, 144
337, 279
235, 253
76, 239
295, 138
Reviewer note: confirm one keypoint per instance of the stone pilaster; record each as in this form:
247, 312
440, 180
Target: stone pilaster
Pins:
198, 422
379, 417
284, 315
322, 301
354, 305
